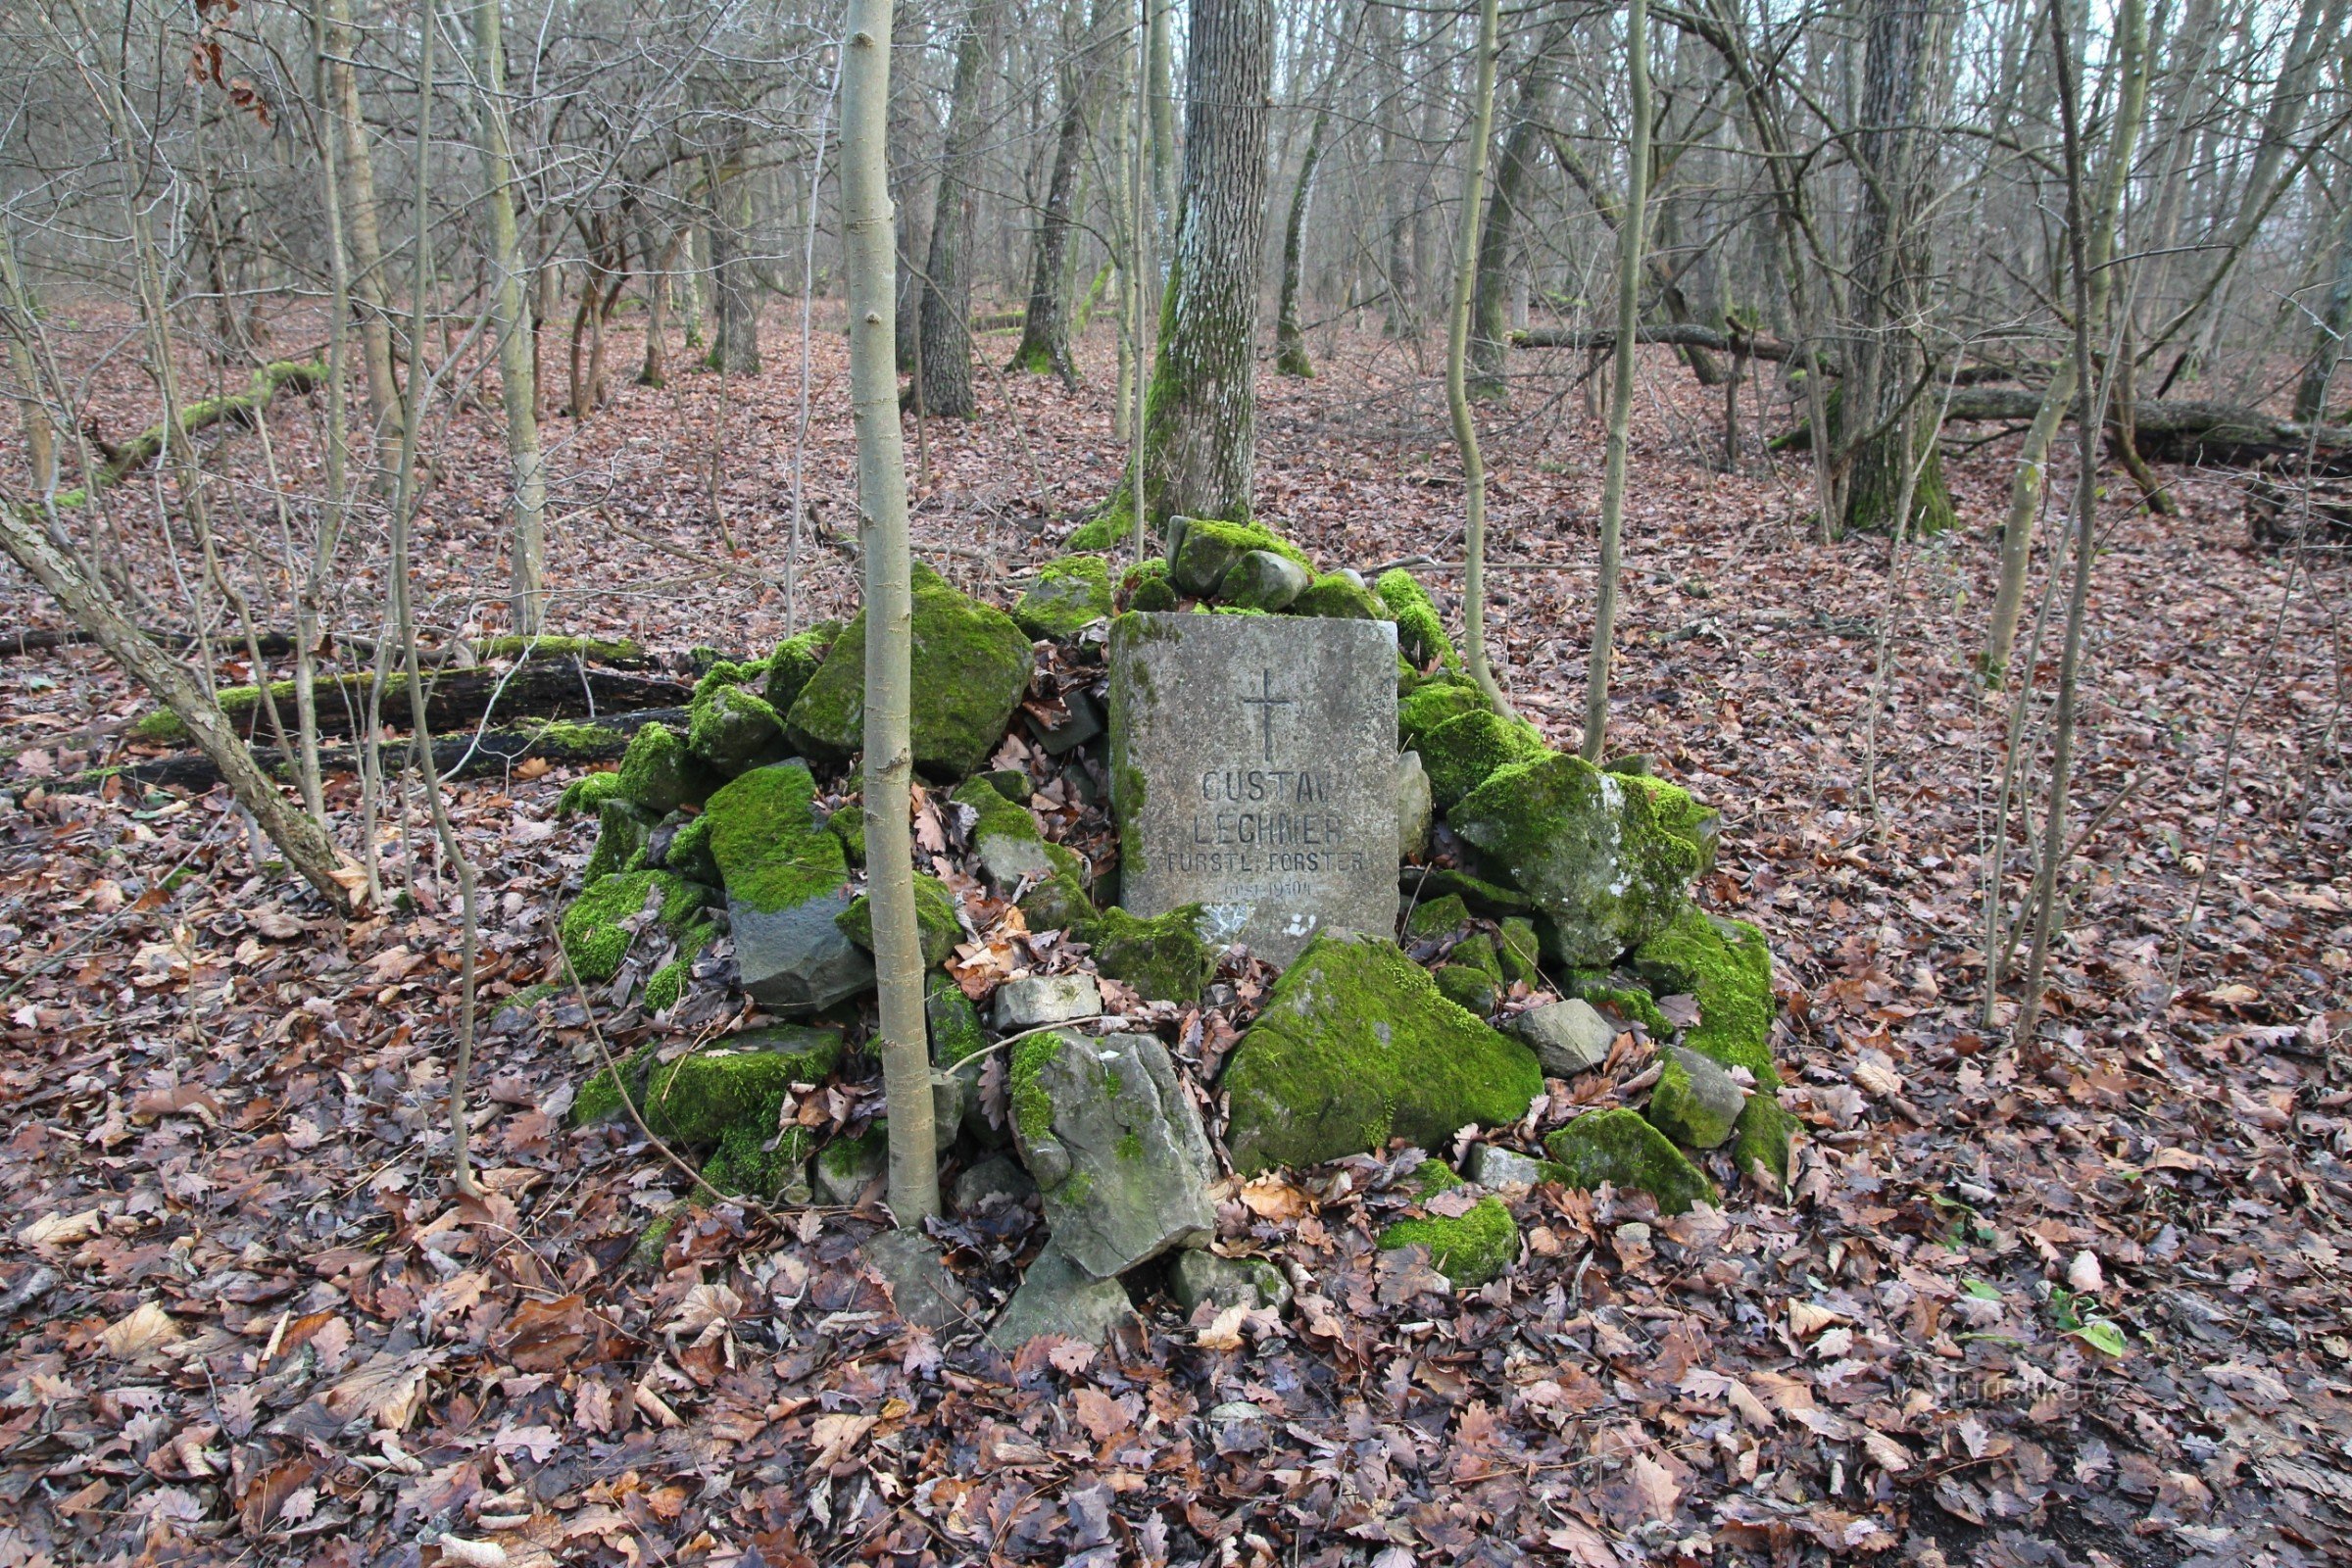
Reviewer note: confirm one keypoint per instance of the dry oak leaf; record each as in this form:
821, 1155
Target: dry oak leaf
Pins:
386, 1388
1806, 1319
61, 1230
831, 1436
146, 1327
1272, 1197
547, 1335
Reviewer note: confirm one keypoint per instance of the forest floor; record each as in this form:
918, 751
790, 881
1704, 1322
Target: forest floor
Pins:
241, 1317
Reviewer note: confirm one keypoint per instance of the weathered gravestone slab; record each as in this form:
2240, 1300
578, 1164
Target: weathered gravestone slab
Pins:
1254, 768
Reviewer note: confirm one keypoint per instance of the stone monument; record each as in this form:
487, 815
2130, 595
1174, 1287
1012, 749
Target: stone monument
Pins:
1254, 769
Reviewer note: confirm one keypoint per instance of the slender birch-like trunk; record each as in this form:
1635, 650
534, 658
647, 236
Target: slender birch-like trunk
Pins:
1630, 238
871, 268
357, 174
1457, 358
1290, 338
510, 308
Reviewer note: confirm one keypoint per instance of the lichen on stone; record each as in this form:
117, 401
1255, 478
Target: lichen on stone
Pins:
1619, 1147
934, 924
1354, 1047
768, 843
970, 667
1726, 967
1060, 902
1163, 958
1071, 593
622, 828
592, 933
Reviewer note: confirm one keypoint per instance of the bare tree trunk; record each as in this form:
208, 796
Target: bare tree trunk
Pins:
1044, 346
1489, 317
947, 293
1158, 137
2327, 342
358, 170
16, 309
735, 301
872, 268
1457, 357
659, 287
519, 388
1200, 416
1290, 338
1630, 236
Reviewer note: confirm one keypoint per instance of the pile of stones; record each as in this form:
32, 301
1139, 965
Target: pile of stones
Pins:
1545, 929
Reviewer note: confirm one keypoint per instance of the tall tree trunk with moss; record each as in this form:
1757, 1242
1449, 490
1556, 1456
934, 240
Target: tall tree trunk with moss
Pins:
872, 266
1044, 346
511, 312
1290, 338
1201, 411
2032, 459
947, 291
735, 306
1489, 304
1902, 55
1632, 235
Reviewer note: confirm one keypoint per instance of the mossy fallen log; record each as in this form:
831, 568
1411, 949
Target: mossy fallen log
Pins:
2175, 431
241, 408
460, 755
540, 688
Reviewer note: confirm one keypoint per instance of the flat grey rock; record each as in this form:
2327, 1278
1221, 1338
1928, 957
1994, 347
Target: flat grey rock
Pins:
1264, 581
924, 1292
848, 1166
1253, 773
1569, 1037
1041, 998
1120, 1154
796, 959
1500, 1170
1697, 1104
1226, 1282
1057, 1297
1082, 722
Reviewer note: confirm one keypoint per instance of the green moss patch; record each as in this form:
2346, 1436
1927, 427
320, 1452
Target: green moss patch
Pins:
1072, 594
765, 838
954, 1022
1760, 1141
1335, 596
1205, 548
1355, 1046
1432, 703
1727, 967
1619, 1147
1471, 977
1470, 747
622, 831
598, 649
725, 1100
1420, 629
1163, 958
587, 791
1519, 951
1434, 919
657, 772
795, 661
971, 666
935, 922
1059, 902
594, 938
1032, 1104
689, 852
732, 730
667, 983
1470, 1248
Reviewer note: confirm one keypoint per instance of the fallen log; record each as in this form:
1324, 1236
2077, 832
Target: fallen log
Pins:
2177, 431
2284, 511
1678, 334
538, 687
240, 407
618, 653
462, 754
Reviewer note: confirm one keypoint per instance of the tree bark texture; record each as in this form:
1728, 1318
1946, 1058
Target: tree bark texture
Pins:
1290, 338
1498, 239
1045, 346
519, 388
361, 228
872, 268
1631, 232
735, 338
1201, 413
947, 291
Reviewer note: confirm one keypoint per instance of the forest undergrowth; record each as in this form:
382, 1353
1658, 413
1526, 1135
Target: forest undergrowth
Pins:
2093, 1312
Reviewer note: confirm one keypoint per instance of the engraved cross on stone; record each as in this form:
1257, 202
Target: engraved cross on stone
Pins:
1265, 702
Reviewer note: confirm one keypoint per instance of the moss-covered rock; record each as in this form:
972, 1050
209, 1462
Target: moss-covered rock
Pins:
1491, 898
1617, 1147
593, 934
732, 731
1072, 594
764, 837
546, 645
1726, 967
1060, 902
1355, 1046
1163, 958
795, 661
1469, 1249
848, 1166
1471, 978
1468, 749
588, 792
1520, 952
689, 852
1674, 811
1420, 630
658, 772
724, 1101
847, 825
954, 1022
1005, 837
1760, 1142
971, 666
622, 831
1336, 596
1264, 581
1432, 703
667, 983
1434, 919
935, 922
1202, 550
1618, 996
1694, 1102
1587, 848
